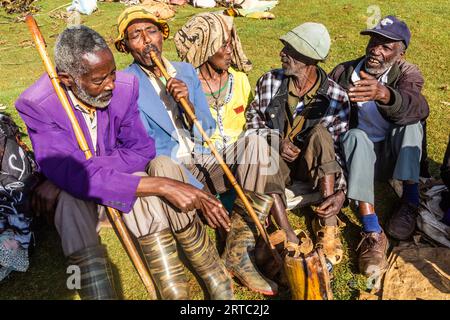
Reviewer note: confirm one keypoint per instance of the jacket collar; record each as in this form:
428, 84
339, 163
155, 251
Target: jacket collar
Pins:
322, 89
151, 104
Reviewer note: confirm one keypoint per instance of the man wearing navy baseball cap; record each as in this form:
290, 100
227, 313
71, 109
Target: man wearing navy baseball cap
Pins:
385, 136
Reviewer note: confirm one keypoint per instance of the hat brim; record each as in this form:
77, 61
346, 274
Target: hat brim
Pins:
162, 25
385, 34
304, 50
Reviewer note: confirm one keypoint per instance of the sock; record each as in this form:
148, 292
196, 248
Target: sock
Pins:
411, 193
446, 218
370, 223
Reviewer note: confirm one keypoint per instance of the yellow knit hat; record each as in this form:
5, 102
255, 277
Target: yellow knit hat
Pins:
133, 13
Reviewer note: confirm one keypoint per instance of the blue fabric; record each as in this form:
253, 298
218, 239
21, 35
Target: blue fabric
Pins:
411, 193
228, 198
156, 120
370, 223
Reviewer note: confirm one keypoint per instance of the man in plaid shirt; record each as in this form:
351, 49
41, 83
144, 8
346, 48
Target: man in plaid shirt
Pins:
309, 112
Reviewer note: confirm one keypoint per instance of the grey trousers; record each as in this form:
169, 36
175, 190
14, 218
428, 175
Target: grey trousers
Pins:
256, 165
77, 220
397, 157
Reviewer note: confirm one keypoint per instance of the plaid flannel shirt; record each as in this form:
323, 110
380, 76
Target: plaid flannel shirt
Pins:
336, 120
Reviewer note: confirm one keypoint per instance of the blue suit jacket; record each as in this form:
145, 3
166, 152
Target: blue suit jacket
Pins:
156, 120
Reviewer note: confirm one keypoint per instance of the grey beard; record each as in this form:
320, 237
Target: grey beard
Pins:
90, 100
376, 72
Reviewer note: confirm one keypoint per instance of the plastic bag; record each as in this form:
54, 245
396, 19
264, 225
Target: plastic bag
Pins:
83, 6
204, 3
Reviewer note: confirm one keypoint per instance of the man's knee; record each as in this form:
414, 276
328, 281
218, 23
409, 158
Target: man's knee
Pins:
68, 205
256, 141
163, 166
410, 135
320, 130
320, 137
355, 136
254, 150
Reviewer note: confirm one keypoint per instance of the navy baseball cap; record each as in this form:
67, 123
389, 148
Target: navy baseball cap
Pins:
391, 28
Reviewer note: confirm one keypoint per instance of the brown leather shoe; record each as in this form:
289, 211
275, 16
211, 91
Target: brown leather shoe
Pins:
372, 253
402, 224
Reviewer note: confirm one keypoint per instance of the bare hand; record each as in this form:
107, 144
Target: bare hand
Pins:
331, 206
289, 152
43, 200
177, 89
369, 89
187, 198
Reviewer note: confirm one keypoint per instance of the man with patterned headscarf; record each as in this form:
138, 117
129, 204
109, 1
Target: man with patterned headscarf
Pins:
250, 159
210, 43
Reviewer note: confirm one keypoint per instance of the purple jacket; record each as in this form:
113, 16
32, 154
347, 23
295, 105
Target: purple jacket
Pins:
123, 146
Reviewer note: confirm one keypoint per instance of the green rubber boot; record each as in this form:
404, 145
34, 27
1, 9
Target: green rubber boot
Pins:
205, 260
239, 255
96, 274
161, 255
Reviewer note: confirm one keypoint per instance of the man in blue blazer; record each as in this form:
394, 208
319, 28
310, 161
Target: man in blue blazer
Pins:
250, 158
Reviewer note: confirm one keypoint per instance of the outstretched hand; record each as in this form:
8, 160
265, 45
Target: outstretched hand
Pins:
187, 198
331, 206
369, 89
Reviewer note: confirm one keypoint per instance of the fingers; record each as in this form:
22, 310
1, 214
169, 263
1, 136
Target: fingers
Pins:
361, 99
210, 219
288, 158
289, 155
217, 215
362, 94
326, 212
216, 209
366, 83
331, 206
360, 89
293, 148
289, 151
177, 89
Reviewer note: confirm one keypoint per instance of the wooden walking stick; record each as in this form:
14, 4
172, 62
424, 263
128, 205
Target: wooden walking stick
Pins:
113, 214
224, 166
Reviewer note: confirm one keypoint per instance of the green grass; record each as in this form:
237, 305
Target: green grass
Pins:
20, 66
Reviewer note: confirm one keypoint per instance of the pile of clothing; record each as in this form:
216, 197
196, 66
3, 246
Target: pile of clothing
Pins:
17, 179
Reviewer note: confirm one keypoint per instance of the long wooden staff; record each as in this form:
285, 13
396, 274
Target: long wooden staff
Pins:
114, 215
224, 166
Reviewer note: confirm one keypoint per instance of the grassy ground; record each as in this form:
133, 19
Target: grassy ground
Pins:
20, 66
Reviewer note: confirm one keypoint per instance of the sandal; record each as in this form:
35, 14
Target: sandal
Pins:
305, 245
328, 239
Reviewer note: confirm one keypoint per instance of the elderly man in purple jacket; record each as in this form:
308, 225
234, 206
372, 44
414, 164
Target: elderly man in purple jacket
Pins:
159, 206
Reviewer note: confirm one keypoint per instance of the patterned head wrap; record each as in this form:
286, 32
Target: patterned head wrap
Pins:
203, 35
